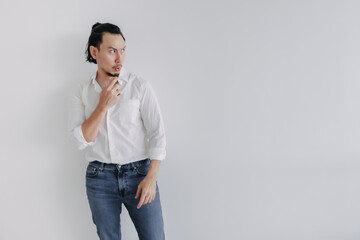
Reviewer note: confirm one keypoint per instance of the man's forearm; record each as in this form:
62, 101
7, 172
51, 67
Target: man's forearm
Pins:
90, 127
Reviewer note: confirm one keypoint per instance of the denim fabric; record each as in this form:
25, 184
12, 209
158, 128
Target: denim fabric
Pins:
108, 186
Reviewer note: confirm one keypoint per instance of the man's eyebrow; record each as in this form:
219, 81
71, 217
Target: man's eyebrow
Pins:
115, 48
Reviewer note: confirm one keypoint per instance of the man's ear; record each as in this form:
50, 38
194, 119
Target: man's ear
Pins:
93, 52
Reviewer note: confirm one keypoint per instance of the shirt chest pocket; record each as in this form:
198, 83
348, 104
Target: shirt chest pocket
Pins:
127, 110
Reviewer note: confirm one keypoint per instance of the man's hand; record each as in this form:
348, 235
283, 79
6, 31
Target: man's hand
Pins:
109, 94
147, 189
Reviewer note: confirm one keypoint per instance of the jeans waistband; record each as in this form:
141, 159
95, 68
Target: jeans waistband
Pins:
127, 166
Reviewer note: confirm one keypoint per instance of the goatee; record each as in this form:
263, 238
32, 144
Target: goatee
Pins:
112, 75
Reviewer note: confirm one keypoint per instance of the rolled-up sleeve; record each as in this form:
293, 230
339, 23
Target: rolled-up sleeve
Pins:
76, 116
153, 122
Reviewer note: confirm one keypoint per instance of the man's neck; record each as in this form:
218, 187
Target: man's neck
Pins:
101, 78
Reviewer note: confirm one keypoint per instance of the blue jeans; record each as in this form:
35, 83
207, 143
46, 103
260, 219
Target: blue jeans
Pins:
108, 186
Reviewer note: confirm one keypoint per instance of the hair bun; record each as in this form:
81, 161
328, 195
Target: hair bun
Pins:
95, 25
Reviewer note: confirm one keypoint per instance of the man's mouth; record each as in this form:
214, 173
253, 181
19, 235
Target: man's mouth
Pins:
117, 68
117, 71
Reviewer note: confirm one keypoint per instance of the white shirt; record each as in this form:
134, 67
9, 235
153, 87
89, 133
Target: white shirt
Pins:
132, 129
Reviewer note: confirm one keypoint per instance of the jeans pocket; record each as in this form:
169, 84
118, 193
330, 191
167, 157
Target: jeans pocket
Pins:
143, 169
91, 171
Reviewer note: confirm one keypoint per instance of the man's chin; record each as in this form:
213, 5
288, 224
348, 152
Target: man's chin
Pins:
112, 74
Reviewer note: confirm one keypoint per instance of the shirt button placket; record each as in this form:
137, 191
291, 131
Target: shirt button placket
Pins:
109, 134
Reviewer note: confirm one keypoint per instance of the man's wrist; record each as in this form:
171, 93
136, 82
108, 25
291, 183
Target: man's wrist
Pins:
154, 169
101, 109
152, 175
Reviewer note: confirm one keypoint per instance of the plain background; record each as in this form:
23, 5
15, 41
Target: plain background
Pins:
261, 107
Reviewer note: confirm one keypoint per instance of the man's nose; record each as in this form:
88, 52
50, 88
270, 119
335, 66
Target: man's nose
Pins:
118, 56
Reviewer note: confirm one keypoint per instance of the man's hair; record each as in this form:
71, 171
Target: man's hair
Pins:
96, 35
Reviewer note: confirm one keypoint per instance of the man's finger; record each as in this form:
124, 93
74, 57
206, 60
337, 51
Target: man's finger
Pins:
117, 91
114, 87
138, 192
147, 200
112, 82
141, 201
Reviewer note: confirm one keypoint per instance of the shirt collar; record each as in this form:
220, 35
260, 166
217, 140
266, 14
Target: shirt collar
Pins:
123, 76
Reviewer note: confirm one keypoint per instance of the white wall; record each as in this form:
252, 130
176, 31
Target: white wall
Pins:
261, 107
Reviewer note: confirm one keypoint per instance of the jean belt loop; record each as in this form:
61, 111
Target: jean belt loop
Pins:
132, 165
102, 166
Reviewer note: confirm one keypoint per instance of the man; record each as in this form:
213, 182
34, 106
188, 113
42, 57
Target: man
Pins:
115, 117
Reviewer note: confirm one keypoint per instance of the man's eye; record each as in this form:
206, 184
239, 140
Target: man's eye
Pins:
112, 51
123, 50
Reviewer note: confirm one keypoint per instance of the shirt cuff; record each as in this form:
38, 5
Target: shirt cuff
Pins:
79, 138
157, 153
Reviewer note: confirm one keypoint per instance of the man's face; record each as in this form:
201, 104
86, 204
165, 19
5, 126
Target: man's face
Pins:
111, 56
